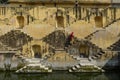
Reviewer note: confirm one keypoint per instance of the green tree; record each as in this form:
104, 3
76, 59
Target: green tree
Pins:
3, 1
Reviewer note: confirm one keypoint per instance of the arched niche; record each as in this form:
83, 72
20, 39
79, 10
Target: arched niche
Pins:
84, 50
37, 51
99, 21
60, 21
20, 20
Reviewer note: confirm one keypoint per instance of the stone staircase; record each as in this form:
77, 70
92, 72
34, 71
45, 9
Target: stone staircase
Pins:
15, 35
34, 68
106, 27
31, 60
4, 47
45, 62
38, 30
55, 51
97, 55
94, 57
111, 22
34, 65
115, 46
106, 38
92, 44
85, 66
90, 35
56, 39
67, 61
50, 53
75, 57
27, 34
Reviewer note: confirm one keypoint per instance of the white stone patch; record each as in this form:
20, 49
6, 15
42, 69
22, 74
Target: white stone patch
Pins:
78, 66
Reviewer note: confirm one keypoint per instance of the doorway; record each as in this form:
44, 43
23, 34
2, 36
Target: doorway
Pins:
60, 21
99, 21
84, 51
20, 20
37, 51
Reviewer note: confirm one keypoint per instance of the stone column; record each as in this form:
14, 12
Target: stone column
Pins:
47, 48
38, 12
80, 14
56, 22
90, 52
114, 13
4, 11
41, 47
33, 12
0, 11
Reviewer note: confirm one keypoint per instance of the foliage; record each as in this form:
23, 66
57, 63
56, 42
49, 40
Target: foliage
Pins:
3, 1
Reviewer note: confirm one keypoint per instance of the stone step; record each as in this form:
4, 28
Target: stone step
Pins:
48, 56
77, 66
83, 67
93, 57
39, 66
100, 53
32, 60
14, 34
97, 55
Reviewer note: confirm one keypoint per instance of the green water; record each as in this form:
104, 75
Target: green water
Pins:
60, 76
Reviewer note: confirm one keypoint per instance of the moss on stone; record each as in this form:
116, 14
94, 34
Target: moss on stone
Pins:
20, 65
88, 69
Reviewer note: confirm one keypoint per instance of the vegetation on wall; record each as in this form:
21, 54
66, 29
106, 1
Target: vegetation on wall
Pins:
3, 1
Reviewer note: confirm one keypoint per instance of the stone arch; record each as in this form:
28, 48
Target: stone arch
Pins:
84, 50
37, 51
20, 20
99, 21
60, 21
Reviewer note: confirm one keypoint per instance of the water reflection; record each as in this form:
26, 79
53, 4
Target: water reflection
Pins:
60, 76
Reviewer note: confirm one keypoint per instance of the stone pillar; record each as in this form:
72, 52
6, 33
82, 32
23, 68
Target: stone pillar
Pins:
33, 12
56, 23
83, 11
41, 47
32, 53
87, 13
90, 52
80, 14
8, 11
0, 11
94, 50
47, 48
114, 13
76, 10
38, 12
3, 11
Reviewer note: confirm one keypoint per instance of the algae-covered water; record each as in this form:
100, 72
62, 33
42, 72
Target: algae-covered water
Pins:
60, 76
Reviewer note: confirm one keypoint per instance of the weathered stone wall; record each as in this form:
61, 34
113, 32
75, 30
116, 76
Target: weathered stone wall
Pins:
42, 22
29, 52
9, 62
